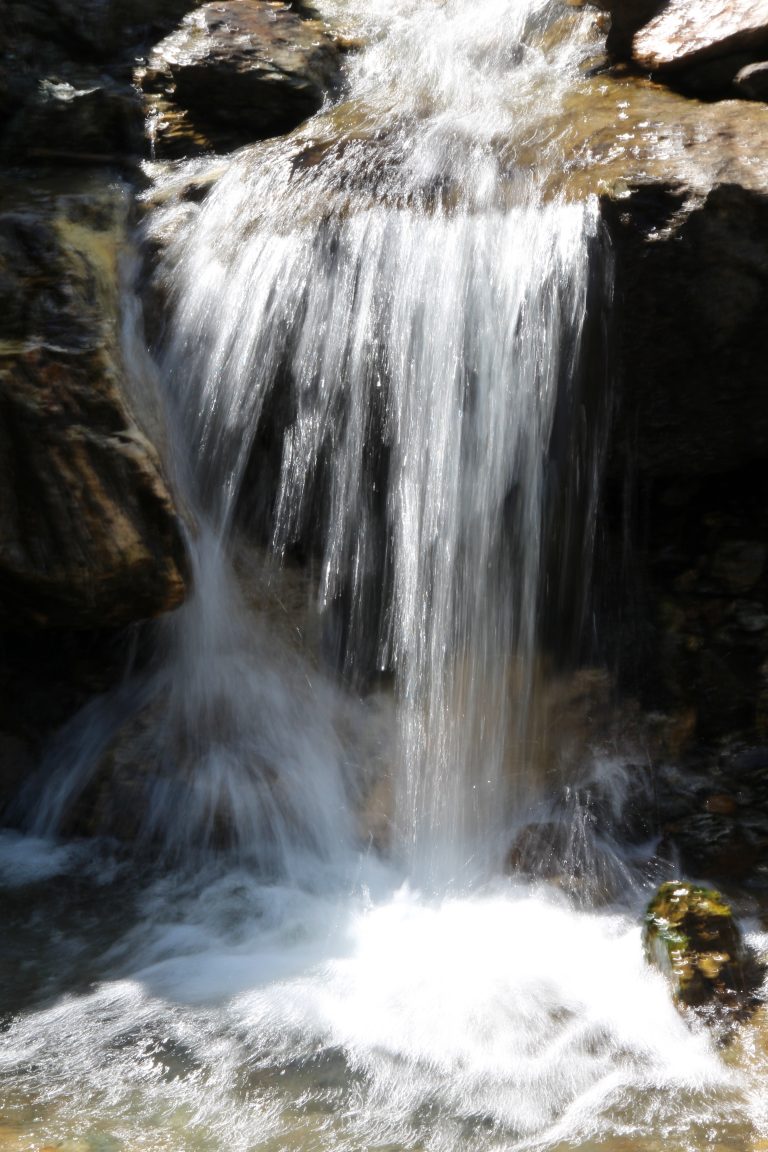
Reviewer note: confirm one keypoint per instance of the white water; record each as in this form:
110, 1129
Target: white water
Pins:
230, 1014
388, 296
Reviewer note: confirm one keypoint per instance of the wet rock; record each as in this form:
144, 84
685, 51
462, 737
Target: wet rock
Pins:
683, 193
540, 850
16, 765
86, 116
725, 846
234, 72
690, 934
721, 804
89, 533
752, 81
748, 763
685, 32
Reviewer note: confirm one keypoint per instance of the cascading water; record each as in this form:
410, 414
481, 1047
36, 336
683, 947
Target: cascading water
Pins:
374, 350
413, 318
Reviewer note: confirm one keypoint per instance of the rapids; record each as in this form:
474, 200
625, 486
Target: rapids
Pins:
387, 427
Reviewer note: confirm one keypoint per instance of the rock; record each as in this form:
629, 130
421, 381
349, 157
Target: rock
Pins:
738, 565
66, 76
237, 71
89, 533
685, 32
87, 116
690, 934
752, 81
99, 30
626, 17
720, 804
690, 399
709, 79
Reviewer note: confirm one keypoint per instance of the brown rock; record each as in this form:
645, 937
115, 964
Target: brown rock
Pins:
234, 72
89, 535
690, 31
720, 805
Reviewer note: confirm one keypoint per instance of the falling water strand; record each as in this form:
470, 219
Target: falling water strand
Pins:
405, 316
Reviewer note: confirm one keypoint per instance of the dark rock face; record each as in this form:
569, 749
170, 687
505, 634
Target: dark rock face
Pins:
692, 342
237, 71
752, 81
626, 17
66, 77
99, 30
89, 535
86, 116
690, 934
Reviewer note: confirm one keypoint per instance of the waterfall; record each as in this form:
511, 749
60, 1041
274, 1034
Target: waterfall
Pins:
401, 310
385, 421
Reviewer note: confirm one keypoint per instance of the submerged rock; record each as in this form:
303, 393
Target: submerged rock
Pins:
234, 72
89, 533
691, 935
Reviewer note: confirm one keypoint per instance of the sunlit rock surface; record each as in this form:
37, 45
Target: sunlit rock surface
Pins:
688, 31
235, 72
89, 535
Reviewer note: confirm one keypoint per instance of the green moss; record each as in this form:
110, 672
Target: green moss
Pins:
691, 936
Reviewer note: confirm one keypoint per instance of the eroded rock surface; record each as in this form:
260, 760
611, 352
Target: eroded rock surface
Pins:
237, 71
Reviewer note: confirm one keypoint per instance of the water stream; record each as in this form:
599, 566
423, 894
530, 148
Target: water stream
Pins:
384, 418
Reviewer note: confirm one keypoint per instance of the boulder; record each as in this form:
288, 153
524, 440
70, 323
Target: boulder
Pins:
90, 536
237, 71
84, 115
687, 32
690, 934
66, 71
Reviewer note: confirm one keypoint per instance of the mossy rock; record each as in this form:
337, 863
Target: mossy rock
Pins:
691, 935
